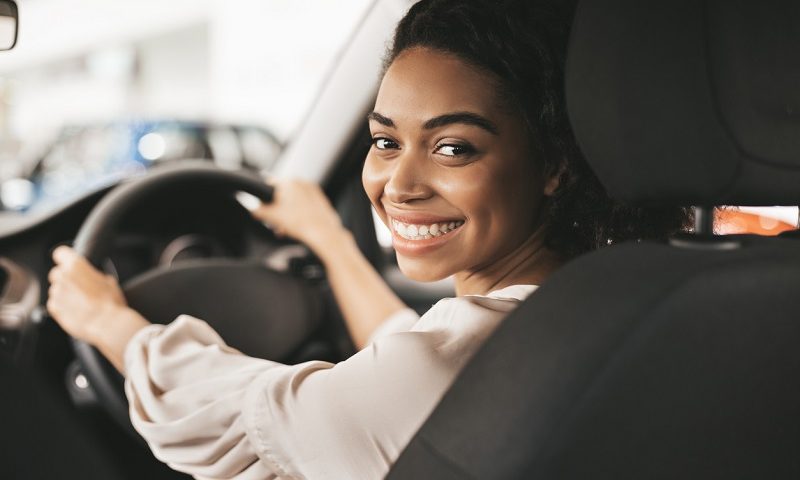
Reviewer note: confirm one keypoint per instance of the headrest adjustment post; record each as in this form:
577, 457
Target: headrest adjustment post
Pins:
704, 220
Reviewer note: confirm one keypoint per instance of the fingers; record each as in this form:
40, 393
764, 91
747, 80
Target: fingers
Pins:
54, 275
51, 306
267, 213
259, 210
67, 257
72, 262
54, 299
62, 254
248, 201
270, 215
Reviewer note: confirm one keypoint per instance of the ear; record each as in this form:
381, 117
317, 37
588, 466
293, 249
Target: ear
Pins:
551, 185
554, 181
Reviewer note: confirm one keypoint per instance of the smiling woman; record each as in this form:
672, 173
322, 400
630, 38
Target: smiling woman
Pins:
474, 168
451, 173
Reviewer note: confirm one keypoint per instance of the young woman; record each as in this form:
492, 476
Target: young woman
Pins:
474, 169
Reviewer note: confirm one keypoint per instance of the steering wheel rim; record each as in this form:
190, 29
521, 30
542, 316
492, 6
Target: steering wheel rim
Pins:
93, 242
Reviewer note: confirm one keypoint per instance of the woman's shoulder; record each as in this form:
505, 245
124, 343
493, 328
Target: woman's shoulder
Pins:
467, 311
454, 320
502, 300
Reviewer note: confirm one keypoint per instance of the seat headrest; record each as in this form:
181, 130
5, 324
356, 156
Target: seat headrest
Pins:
688, 102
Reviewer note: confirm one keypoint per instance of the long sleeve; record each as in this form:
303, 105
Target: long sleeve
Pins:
185, 389
210, 411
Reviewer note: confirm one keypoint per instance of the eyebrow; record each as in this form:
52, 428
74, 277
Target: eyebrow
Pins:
467, 118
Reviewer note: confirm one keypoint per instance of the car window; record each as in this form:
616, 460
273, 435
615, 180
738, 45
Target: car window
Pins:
758, 220
98, 90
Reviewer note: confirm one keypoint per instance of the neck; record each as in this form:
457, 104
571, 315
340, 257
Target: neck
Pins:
529, 264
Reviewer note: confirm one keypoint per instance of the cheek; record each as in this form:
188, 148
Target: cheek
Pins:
374, 178
468, 193
500, 200
476, 191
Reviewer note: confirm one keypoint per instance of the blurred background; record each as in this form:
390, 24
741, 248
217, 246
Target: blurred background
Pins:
98, 89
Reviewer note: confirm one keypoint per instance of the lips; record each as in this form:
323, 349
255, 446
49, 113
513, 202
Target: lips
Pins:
419, 234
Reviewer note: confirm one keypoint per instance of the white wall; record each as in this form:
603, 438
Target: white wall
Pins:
269, 57
243, 61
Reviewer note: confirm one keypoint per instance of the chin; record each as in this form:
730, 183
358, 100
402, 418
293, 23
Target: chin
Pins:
420, 271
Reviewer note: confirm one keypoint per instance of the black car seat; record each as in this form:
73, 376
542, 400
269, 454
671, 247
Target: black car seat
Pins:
655, 360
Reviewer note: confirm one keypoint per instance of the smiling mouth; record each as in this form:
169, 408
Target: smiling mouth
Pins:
411, 231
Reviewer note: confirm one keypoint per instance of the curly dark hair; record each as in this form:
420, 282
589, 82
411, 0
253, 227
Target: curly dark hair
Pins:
522, 43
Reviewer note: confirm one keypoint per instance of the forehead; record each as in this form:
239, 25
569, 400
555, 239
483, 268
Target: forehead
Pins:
422, 83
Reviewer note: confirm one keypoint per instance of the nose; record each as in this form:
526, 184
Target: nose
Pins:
408, 179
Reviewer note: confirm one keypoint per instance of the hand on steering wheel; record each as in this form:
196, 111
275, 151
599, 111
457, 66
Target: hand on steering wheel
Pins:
80, 298
90, 305
259, 311
300, 210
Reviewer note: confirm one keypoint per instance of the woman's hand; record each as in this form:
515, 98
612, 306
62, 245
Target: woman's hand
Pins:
302, 211
90, 306
81, 298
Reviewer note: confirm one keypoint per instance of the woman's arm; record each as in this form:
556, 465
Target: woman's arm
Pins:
302, 211
363, 296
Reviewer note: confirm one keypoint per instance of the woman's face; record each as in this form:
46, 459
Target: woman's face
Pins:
450, 170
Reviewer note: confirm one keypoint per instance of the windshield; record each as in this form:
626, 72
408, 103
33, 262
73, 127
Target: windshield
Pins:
96, 91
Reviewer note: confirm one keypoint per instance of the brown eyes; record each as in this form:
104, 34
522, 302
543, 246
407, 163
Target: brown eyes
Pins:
454, 149
446, 149
383, 143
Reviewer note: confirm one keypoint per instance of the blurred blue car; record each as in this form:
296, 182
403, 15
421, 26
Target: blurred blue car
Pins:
86, 158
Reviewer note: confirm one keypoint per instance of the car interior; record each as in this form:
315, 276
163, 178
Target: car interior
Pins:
648, 360
640, 360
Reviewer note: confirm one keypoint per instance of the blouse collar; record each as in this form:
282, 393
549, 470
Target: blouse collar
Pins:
512, 292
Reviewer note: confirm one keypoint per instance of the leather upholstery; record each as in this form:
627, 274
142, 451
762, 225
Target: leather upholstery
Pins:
647, 360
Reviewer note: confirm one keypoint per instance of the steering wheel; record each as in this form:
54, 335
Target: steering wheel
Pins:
259, 311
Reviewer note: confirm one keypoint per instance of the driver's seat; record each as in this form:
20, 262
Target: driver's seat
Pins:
655, 360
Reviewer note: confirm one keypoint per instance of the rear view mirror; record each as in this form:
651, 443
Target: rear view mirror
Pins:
8, 24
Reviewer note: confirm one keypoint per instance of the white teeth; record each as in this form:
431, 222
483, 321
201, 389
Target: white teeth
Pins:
424, 232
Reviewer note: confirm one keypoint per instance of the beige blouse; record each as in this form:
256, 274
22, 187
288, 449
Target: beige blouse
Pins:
208, 410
